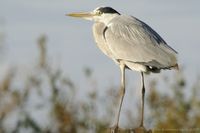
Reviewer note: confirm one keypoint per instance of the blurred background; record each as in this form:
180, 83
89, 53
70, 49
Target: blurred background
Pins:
53, 78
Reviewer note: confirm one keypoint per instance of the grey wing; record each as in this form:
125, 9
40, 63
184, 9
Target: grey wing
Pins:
132, 40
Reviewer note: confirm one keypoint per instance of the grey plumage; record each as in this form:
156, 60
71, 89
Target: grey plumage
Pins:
131, 44
138, 45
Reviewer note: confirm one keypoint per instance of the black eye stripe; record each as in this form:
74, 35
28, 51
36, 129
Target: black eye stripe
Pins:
107, 10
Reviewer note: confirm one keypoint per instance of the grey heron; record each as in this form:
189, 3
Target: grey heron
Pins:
130, 43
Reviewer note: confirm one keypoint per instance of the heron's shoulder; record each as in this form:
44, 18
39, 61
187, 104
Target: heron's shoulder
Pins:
125, 20
134, 29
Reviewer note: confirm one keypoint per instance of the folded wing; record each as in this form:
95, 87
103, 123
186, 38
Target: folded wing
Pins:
134, 41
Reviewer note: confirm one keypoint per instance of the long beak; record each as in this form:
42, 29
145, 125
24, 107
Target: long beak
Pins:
81, 15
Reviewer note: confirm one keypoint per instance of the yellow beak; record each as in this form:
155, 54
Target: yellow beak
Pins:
81, 15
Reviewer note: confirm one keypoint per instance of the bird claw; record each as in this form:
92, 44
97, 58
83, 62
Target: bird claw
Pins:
114, 129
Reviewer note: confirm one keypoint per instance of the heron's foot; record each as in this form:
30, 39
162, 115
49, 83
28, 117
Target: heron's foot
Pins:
141, 129
114, 129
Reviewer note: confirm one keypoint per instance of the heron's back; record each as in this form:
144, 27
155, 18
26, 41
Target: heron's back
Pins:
134, 42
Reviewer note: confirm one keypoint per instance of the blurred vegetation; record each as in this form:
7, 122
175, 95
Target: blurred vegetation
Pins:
44, 100
178, 111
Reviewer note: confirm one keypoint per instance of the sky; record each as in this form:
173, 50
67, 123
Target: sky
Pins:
70, 41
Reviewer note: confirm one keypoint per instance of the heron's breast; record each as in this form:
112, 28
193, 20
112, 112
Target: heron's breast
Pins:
98, 29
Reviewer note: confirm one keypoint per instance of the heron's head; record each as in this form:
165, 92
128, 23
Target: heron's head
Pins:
100, 14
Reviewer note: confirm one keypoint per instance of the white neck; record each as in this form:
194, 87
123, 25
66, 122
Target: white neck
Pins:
106, 18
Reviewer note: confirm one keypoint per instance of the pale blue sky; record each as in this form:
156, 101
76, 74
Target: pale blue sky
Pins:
70, 42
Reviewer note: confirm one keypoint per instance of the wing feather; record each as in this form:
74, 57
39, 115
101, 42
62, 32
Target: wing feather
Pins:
132, 40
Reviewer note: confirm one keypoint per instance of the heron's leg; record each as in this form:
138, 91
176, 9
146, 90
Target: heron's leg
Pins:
122, 93
143, 94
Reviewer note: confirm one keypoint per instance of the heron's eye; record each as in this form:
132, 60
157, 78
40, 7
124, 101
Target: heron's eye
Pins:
99, 12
